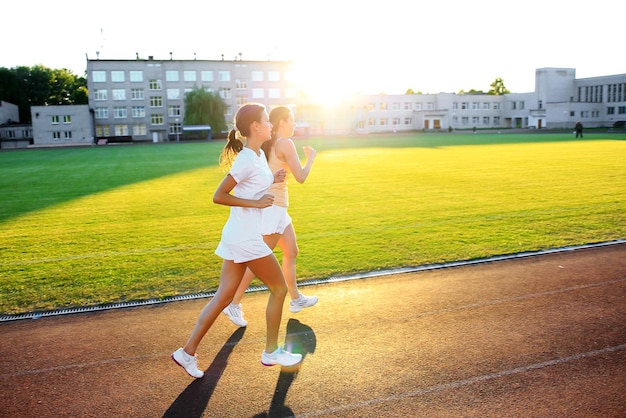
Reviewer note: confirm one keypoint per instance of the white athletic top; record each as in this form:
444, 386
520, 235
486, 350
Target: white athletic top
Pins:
279, 190
254, 178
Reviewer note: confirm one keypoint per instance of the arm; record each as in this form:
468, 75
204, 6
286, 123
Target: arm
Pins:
286, 151
222, 196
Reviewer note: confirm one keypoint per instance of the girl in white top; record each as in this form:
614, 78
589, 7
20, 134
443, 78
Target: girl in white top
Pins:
276, 224
242, 246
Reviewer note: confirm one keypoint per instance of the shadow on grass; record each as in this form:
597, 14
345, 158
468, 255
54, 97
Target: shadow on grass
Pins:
194, 399
32, 180
300, 339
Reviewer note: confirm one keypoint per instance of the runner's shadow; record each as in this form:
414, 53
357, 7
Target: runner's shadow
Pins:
193, 400
300, 339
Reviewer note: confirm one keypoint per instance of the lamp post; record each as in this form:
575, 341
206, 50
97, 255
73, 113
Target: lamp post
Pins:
177, 131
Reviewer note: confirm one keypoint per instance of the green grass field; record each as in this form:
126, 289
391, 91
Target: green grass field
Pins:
88, 226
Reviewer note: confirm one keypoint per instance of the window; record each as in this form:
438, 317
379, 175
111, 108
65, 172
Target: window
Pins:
140, 129
55, 119
257, 75
496, 120
117, 76
175, 128
475, 105
395, 106
67, 134
155, 85
273, 76
171, 75
136, 94
156, 101
485, 120
418, 106
464, 105
475, 120
455, 106
173, 94
173, 110
382, 106
408, 121
486, 106
383, 122
119, 94
514, 105
241, 84
225, 93
496, 106
522, 105
206, 75
67, 119
101, 112
465, 120
241, 100
223, 75
56, 135
407, 105
610, 110
157, 119
99, 76
371, 122
119, 112
121, 130
102, 130
429, 106
139, 111
395, 121
100, 94
136, 76
621, 110
274, 93
258, 93
189, 76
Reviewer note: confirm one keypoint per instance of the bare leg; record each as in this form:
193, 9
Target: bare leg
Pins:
289, 246
229, 280
268, 271
271, 241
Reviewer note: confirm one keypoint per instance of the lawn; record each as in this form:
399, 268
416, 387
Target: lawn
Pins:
88, 226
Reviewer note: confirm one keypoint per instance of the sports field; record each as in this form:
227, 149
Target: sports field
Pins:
87, 226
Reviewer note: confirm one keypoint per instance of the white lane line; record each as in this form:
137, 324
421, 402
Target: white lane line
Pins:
465, 382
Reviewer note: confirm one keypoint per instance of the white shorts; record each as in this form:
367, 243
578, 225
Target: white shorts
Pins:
274, 220
242, 252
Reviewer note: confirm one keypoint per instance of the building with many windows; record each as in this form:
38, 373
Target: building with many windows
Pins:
62, 125
143, 99
558, 102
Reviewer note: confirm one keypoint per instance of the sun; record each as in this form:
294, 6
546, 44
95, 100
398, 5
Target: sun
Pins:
320, 84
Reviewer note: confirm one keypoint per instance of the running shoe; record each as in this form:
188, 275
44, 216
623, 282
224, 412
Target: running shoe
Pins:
187, 362
280, 357
235, 314
296, 305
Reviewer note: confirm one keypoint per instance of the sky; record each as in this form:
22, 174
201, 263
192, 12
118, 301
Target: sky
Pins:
339, 47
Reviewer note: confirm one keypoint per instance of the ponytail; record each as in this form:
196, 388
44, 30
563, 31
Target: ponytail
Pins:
233, 146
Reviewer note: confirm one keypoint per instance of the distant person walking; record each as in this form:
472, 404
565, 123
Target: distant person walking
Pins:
242, 245
276, 223
578, 129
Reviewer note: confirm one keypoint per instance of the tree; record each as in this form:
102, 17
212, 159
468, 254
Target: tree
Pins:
498, 88
203, 107
41, 86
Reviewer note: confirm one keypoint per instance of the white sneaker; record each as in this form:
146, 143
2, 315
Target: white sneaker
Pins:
280, 357
296, 305
187, 362
235, 314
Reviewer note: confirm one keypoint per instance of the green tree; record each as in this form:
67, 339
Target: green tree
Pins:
498, 88
41, 86
203, 107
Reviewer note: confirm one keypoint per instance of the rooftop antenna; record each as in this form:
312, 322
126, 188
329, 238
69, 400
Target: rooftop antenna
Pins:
170, 56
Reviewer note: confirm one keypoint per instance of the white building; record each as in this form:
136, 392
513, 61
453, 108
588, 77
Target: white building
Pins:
13, 134
143, 99
62, 125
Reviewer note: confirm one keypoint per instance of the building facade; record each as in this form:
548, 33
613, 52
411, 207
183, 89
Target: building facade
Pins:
13, 134
558, 102
62, 125
144, 99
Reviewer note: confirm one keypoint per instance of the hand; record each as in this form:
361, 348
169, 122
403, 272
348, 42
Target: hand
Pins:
280, 175
265, 201
309, 152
